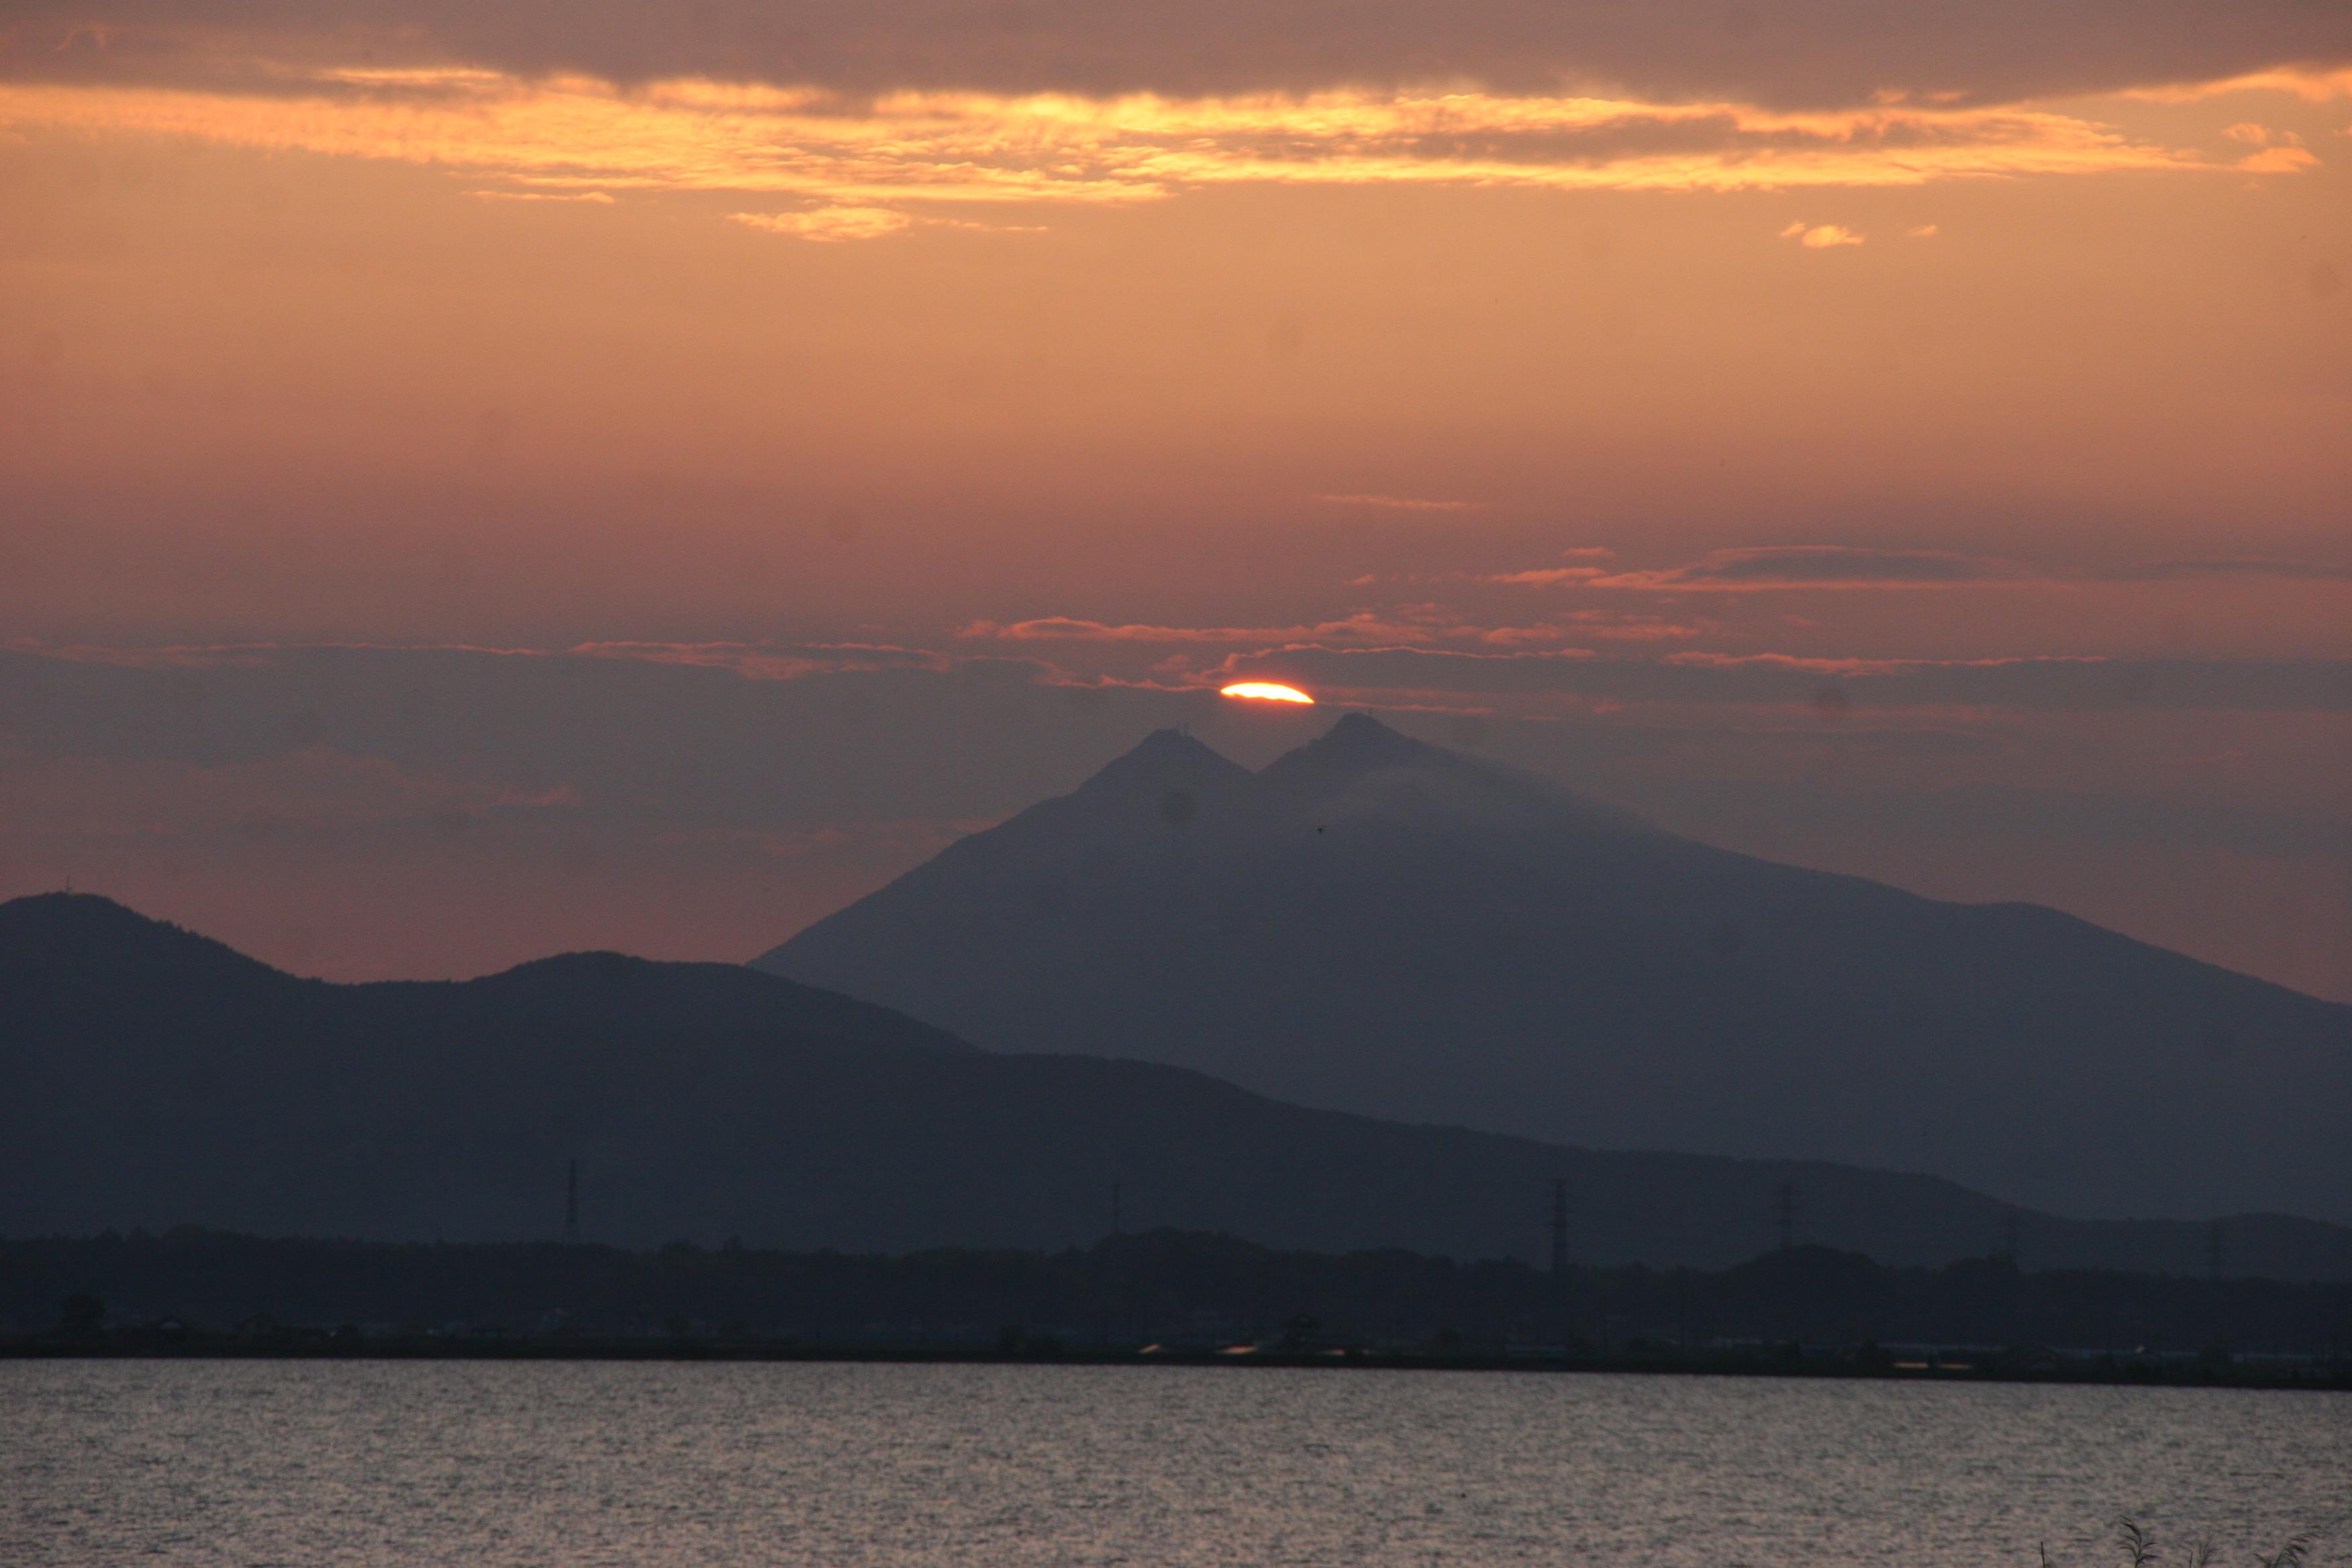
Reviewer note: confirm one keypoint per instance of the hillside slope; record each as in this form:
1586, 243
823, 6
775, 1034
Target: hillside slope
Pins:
154, 1079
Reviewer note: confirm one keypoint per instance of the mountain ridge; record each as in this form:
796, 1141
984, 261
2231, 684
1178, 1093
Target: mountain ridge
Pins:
401, 1110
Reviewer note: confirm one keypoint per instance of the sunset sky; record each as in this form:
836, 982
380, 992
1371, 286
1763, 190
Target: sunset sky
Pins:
483, 478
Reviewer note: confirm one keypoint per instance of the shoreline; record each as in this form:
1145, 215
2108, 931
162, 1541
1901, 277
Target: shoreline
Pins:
1774, 1362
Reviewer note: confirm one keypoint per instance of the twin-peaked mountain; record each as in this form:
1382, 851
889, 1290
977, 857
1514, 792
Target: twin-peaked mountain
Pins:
1378, 925
150, 1078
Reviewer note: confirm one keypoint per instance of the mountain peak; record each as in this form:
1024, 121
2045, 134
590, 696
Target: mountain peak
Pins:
1356, 743
68, 906
87, 939
1173, 746
1166, 759
87, 919
1363, 730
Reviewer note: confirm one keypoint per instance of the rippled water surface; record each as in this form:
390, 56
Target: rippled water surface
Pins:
316, 1463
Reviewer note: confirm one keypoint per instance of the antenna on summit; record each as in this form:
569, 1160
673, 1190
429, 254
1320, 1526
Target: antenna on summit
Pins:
572, 1204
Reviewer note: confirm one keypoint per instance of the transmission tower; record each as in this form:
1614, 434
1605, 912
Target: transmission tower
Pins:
1786, 1205
572, 1204
1560, 1227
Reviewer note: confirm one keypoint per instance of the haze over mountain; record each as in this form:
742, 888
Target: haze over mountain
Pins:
1383, 926
152, 1078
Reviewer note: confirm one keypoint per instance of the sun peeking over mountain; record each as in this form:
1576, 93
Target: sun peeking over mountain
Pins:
1265, 691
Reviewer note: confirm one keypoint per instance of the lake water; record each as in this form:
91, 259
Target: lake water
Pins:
380, 1462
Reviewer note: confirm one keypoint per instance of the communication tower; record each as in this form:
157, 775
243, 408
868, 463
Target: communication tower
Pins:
1560, 1227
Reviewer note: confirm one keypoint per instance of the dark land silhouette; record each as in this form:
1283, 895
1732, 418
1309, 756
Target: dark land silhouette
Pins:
1175, 1289
156, 1079
1379, 925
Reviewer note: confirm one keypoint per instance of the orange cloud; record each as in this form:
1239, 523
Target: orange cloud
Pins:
599, 197
834, 222
858, 160
829, 222
2311, 85
1547, 576
2278, 160
1822, 236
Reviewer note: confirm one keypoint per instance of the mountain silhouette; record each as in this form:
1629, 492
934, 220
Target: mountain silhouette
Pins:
150, 1078
82, 966
1383, 926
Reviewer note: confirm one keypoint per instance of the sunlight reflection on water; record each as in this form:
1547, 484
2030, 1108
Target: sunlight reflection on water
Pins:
377, 1463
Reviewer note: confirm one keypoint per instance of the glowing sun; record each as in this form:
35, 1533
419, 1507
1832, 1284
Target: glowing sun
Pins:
1266, 691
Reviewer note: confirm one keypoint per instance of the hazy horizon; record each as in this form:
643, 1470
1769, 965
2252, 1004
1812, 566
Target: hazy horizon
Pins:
482, 793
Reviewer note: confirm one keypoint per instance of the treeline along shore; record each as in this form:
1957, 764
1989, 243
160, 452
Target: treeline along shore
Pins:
1166, 1295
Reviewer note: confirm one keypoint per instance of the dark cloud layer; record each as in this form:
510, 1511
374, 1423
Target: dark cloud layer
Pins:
1823, 565
2026, 684
1795, 52
672, 734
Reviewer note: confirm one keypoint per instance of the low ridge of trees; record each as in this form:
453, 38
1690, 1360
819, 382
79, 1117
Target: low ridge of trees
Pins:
1172, 1288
